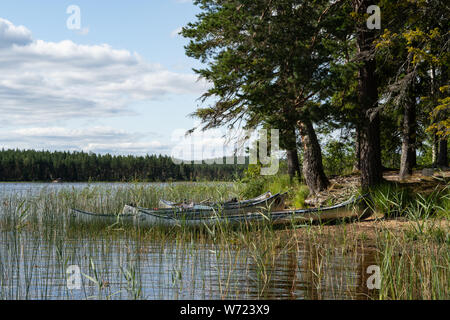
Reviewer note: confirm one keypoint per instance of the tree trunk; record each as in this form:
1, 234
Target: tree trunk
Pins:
289, 143
293, 163
440, 143
434, 150
313, 173
408, 158
442, 158
371, 170
357, 164
414, 154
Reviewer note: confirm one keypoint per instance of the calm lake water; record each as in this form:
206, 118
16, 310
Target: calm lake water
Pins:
25, 188
34, 265
33, 268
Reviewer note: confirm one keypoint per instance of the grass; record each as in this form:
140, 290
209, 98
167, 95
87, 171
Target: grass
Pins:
412, 269
297, 192
393, 201
38, 243
414, 263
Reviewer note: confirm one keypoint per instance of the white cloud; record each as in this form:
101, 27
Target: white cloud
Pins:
211, 144
13, 35
43, 82
95, 139
63, 133
140, 148
175, 33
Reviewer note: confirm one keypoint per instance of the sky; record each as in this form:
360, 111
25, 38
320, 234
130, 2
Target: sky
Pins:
120, 83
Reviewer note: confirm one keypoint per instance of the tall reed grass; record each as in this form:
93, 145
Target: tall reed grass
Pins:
38, 243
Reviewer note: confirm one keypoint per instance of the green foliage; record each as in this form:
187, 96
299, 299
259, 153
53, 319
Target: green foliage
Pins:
394, 201
28, 165
441, 114
338, 157
257, 184
268, 62
300, 195
412, 51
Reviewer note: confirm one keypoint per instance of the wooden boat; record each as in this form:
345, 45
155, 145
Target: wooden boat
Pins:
266, 202
347, 209
228, 204
197, 218
89, 217
261, 203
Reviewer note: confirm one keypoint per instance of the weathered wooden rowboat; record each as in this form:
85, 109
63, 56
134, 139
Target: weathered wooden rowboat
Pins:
165, 204
267, 201
352, 208
89, 217
275, 202
262, 203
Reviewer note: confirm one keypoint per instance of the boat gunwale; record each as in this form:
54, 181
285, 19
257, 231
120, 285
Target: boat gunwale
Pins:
271, 215
263, 197
104, 215
191, 210
175, 210
188, 216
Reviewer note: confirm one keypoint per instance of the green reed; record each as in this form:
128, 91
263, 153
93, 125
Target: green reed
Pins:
413, 270
393, 201
122, 261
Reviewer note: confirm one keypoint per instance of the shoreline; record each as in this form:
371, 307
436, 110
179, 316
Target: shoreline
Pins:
369, 228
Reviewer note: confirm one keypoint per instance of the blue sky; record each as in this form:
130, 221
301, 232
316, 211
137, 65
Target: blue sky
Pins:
121, 84
136, 25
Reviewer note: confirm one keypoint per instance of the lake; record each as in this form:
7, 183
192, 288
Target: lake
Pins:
36, 268
42, 256
34, 188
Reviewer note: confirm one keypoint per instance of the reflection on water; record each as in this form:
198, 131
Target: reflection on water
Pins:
37, 247
34, 267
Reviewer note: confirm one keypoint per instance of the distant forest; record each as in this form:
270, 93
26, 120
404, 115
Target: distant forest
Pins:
29, 165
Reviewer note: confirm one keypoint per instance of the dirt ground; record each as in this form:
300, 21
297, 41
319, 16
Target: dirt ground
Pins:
343, 187
368, 229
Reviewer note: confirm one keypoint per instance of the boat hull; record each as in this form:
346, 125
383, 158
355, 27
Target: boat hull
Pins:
94, 218
268, 203
351, 209
165, 204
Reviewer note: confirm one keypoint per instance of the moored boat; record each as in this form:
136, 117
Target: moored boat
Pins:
347, 209
228, 204
89, 217
201, 217
267, 202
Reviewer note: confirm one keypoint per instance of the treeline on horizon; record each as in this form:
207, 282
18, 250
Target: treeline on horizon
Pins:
31, 165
